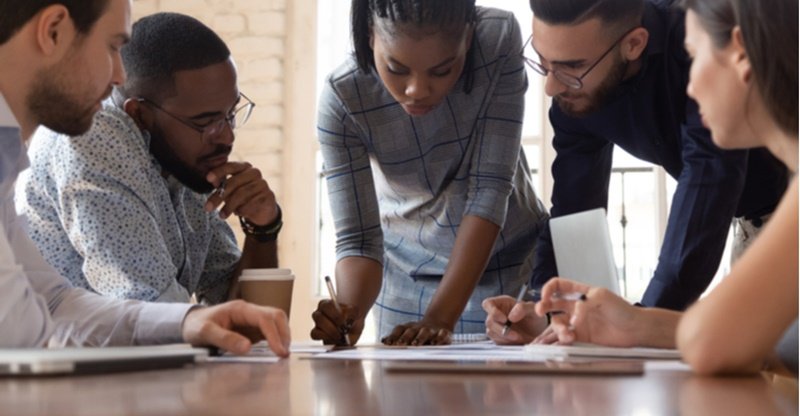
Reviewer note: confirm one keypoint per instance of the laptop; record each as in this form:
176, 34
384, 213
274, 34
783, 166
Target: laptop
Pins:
68, 361
583, 251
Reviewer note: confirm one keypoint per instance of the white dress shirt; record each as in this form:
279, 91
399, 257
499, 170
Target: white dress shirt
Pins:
35, 300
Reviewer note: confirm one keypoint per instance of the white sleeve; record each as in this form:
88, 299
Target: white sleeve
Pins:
34, 299
24, 318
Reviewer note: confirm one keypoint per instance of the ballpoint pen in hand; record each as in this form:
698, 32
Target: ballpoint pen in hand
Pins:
574, 296
221, 188
522, 292
332, 293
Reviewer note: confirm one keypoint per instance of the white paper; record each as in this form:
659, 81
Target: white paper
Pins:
260, 353
666, 365
481, 351
242, 359
592, 350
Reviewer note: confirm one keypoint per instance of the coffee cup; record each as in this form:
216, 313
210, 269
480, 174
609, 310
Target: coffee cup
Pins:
267, 287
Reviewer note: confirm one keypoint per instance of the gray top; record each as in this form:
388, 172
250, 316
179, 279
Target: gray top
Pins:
105, 217
400, 185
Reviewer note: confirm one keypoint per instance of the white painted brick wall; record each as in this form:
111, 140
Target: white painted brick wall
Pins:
255, 31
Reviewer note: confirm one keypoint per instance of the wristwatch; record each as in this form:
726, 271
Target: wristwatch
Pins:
263, 233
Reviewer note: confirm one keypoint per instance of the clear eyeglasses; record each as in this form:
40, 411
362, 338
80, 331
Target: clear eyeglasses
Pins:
572, 81
237, 118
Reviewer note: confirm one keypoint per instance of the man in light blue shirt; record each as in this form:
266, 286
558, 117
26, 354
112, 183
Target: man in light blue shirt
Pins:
127, 209
58, 61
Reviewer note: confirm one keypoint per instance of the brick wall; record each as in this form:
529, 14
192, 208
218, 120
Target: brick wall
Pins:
255, 31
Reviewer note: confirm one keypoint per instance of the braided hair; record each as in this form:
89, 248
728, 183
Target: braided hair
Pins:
441, 14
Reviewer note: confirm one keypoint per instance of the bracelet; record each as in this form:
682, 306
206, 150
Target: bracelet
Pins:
263, 233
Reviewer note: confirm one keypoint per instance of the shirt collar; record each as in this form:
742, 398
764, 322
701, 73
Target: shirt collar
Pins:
655, 23
7, 118
13, 158
657, 19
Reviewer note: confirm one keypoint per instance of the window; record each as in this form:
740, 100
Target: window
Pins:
336, 38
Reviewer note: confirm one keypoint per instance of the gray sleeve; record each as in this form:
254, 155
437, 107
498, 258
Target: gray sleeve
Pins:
499, 129
348, 176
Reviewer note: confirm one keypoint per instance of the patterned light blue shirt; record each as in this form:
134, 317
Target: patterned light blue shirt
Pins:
400, 185
103, 215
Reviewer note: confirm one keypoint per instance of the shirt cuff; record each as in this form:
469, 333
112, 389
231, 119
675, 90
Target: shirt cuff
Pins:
490, 205
376, 255
161, 323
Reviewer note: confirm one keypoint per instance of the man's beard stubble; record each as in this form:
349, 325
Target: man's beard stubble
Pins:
173, 165
600, 95
59, 108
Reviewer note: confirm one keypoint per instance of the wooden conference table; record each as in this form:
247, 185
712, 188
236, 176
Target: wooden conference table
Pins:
299, 386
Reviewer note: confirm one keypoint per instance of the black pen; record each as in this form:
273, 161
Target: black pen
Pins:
522, 292
336, 304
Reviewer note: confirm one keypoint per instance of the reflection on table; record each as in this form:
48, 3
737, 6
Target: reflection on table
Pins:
299, 386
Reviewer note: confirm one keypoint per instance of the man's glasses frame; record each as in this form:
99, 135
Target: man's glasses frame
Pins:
572, 81
237, 118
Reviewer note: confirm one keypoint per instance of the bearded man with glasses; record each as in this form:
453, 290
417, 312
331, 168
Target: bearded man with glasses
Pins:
617, 71
136, 207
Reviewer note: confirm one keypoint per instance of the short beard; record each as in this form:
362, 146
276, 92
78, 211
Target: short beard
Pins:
600, 95
170, 163
168, 158
58, 108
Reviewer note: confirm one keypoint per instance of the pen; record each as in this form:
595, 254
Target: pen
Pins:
336, 304
221, 187
522, 292
560, 296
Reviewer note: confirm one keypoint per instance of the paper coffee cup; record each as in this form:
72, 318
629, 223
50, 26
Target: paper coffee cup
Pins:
267, 287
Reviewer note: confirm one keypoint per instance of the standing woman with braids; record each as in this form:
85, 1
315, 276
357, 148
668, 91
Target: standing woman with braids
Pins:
429, 188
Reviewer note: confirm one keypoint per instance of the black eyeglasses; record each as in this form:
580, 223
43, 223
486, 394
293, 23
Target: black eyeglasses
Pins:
237, 118
568, 79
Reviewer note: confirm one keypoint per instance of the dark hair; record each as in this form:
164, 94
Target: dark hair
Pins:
765, 24
162, 44
571, 12
437, 13
15, 13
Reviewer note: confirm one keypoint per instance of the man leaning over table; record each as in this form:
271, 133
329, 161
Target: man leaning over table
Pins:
635, 97
129, 209
58, 61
